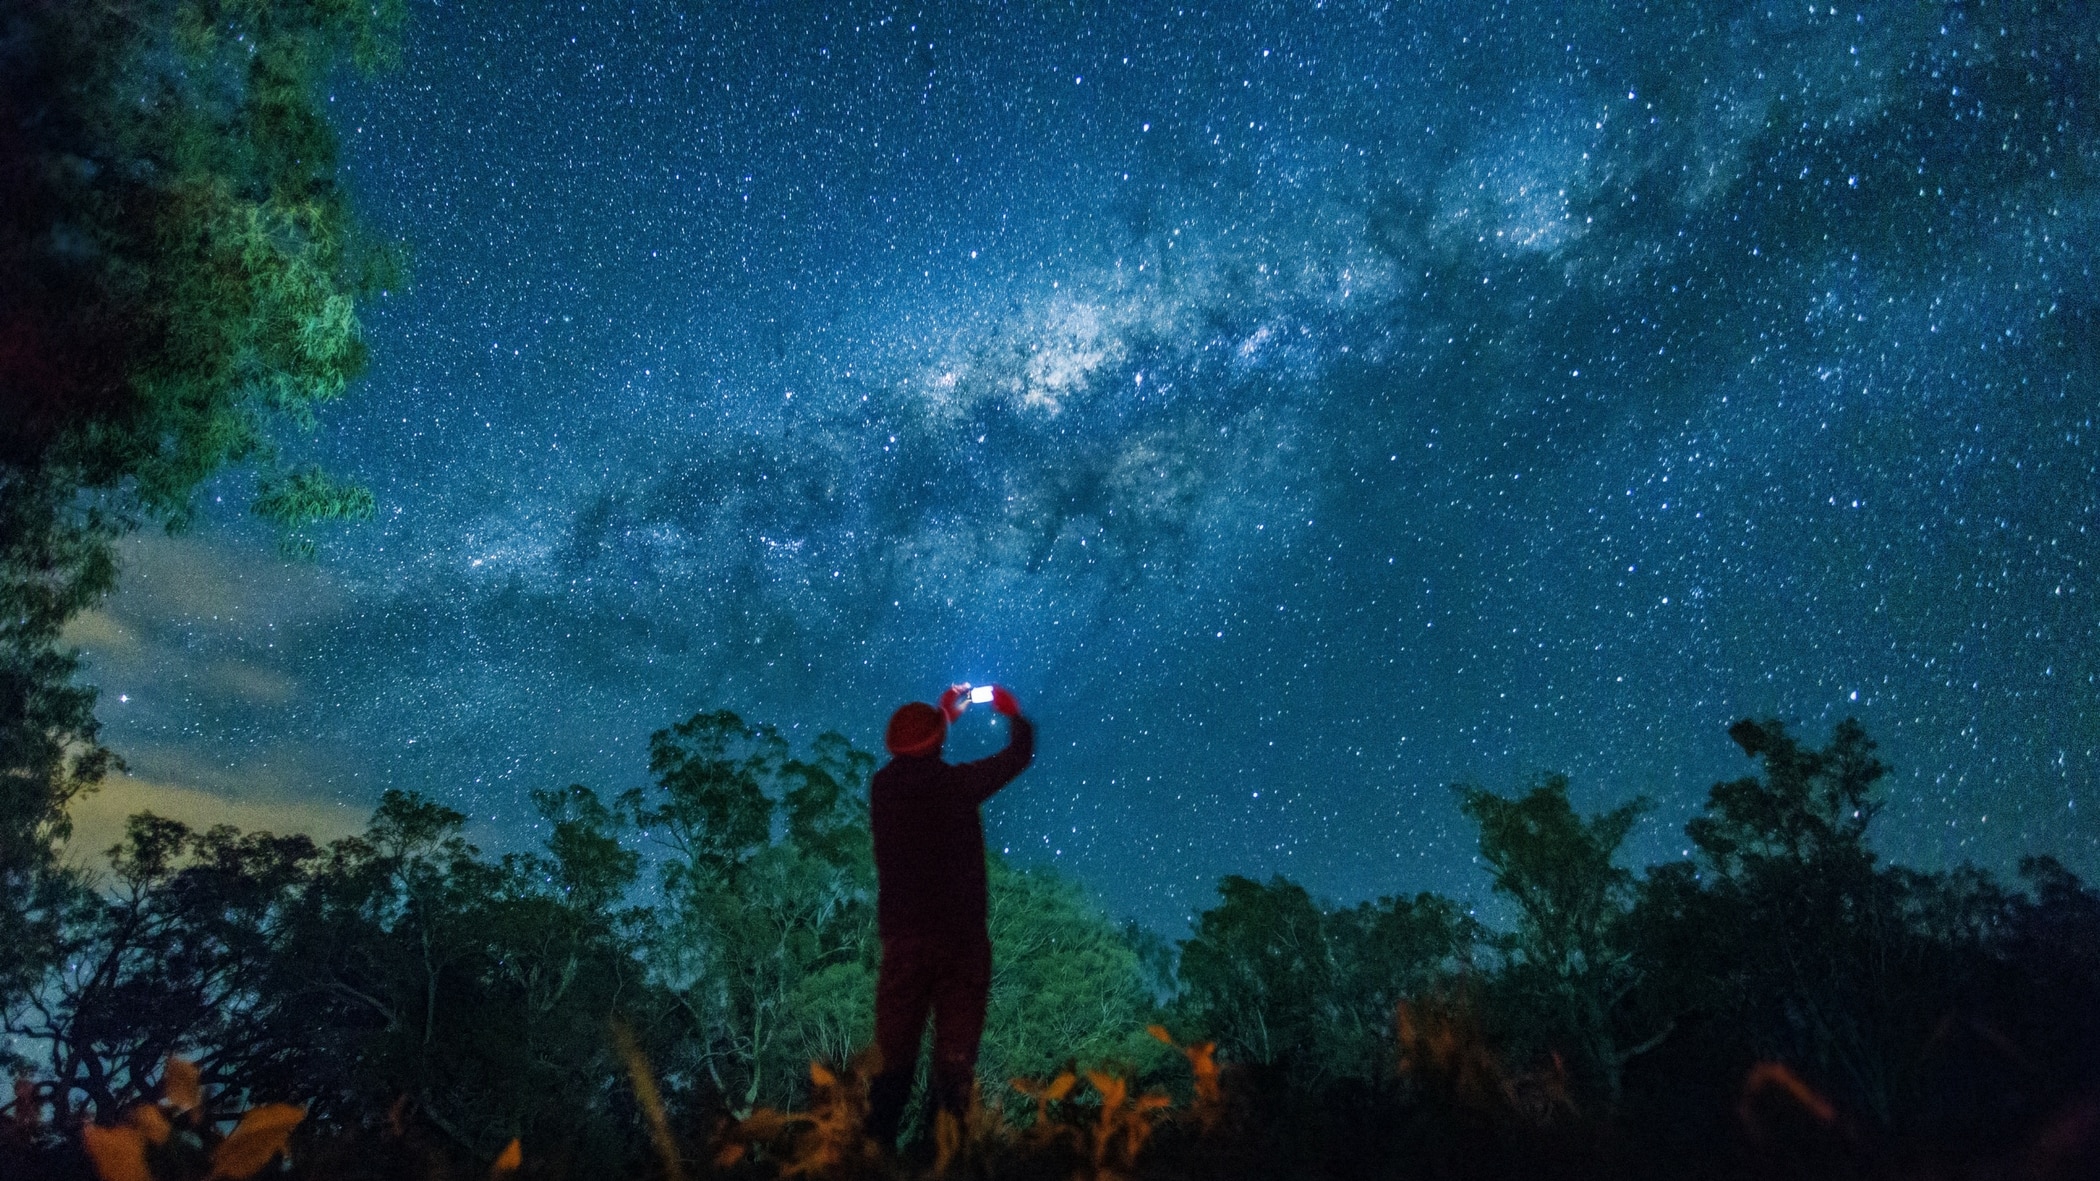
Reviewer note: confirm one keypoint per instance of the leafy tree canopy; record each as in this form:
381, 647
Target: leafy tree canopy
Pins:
1810, 805
1557, 867
179, 282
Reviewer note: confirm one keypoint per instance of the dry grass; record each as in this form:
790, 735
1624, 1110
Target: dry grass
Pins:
1460, 1111
1096, 1122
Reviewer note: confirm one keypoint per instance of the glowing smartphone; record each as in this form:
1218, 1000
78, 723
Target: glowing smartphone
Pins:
981, 695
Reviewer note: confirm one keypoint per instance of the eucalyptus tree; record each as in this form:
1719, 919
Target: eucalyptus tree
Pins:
767, 879
1791, 930
1068, 986
1259, 975
1278, 979
1569, 968
173, 953
418, 977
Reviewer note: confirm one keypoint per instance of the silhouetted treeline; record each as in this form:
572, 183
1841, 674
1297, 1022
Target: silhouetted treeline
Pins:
405, 980
1782, 1004
1784, 1001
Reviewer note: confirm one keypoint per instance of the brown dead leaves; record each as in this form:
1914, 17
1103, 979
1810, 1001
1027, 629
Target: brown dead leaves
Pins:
1090, 1118
260, 1135
179, 1134
825, 1140
1105, 1135
1203, 1068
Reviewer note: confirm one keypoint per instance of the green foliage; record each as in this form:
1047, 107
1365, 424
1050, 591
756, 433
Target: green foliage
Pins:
1260, 973
50, 748
179, 281
1386, 952
307, 496
713, 812
479, 991
1795, 940
1557, 868
1812, 807
590, 864
825, 805
1321, 996
768, 940
430, 1002
186, 270
769, 910
1569, 968
1067, 987
1275, 979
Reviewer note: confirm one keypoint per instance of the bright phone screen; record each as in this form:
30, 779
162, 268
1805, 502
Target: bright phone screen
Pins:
981, 694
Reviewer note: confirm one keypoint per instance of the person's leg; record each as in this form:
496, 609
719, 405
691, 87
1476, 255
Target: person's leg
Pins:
959, 996
903, 993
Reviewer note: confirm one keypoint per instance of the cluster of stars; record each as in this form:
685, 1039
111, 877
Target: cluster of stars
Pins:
1302, 409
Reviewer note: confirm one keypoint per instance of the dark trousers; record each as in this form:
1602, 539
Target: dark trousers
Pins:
949, 978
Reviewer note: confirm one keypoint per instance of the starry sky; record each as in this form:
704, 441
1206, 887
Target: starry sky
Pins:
1301, 406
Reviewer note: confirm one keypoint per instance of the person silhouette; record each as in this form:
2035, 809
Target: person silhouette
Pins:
930, 902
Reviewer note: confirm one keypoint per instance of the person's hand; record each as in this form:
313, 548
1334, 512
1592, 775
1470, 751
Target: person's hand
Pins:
1006, 703
954, 700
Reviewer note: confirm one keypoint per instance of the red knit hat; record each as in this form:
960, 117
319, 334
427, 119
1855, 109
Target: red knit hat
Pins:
915, 729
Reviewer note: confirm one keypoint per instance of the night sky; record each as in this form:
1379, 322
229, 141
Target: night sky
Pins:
1302, 407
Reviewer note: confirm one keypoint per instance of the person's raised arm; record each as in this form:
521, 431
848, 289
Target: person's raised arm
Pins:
986, 776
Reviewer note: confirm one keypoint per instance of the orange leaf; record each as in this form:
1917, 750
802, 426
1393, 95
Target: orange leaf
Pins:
507, 1162
766, 1123
183, 1084
150, 1123
947, 1141
1060, 1086
1776, 1076
822, 1076
1111, 1088
119, 1154
1160, 1032
260, 1135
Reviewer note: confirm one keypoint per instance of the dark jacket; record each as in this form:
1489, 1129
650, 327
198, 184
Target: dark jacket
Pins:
929, 839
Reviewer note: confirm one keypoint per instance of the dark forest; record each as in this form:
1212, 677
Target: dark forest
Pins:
681, 981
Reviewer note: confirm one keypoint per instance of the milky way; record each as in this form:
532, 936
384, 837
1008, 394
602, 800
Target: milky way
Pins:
1303, 407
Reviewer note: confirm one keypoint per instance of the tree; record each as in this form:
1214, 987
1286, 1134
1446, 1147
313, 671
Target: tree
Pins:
768, 941
1259, 975
179, 278
2047, 1000
183, 268
1792, 936
761, 915
1810, 808
398, 975
51, 567
174, 957
417, 977
1280, 981
1569, 967
1067, 986
1387, 952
